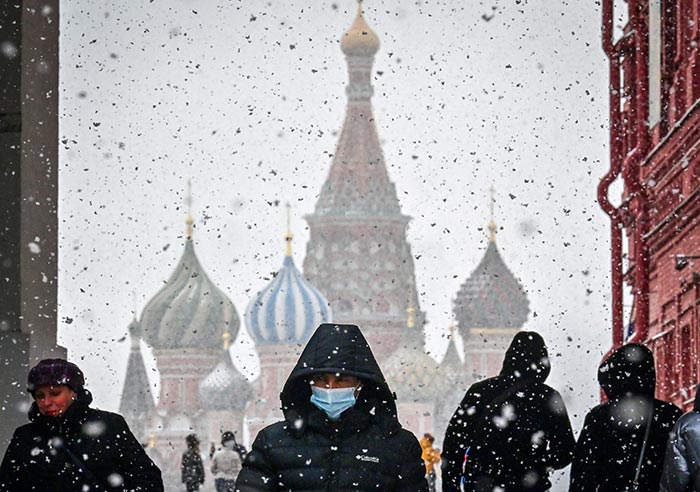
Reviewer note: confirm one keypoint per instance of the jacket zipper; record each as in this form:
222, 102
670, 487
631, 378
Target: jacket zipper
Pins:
335, 462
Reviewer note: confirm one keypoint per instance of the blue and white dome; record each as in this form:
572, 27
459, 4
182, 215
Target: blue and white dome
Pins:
288, 310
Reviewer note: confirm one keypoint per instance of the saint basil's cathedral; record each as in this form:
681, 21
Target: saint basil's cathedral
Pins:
358, 269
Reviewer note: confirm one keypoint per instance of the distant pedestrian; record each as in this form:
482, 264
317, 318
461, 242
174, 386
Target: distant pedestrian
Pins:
431, 458
340, 430
511, 429
192, 468
682, 462
226, 462
623, 440
69, 446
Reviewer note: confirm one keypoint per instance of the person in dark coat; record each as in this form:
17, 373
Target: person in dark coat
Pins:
192, 467
611, 441
681, 471
340, 431
69, 446
509, 430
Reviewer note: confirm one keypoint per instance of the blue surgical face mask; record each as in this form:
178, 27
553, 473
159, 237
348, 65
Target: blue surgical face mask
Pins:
333, 401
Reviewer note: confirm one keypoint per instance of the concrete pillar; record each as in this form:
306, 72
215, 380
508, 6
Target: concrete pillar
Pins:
28, 199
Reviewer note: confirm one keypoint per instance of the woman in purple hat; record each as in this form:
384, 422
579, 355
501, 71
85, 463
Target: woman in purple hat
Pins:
68, 446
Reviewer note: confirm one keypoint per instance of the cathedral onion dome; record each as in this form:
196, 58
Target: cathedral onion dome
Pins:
491, 297
289, 309
359, 39
225, 388
189, 311
412, 374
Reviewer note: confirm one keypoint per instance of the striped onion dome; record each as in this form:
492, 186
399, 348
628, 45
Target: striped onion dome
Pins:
289, 309
225, 388
189, 311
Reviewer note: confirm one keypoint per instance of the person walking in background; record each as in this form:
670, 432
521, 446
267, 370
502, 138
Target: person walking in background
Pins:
340, 430
431, 458
511, 429
681, 472
226, 462
69, 446
623, 440
192, 467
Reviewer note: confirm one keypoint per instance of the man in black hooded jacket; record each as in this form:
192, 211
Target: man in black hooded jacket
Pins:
509, 430
340, 441
611, 441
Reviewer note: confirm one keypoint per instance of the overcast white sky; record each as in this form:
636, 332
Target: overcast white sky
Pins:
246, 99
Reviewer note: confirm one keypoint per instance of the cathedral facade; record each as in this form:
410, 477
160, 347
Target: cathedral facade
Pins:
358, 268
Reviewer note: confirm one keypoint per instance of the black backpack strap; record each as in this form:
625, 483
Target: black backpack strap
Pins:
650, 421
82, 468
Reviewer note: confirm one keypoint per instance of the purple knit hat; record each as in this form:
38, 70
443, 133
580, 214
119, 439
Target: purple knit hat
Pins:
55, 372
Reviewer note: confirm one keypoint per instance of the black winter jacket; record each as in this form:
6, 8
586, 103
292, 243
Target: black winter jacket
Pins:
515, 426
608, 449
366, 450
682, 461
37, 458
192, 469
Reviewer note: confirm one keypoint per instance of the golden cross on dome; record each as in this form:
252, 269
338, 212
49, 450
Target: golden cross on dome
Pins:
288, 236
410, 311
227, 339
492, 222
188, 204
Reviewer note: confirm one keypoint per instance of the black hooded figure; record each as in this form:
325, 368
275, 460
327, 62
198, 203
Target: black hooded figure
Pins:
191, 467
509, 430
682, 461
365, 449
608, 449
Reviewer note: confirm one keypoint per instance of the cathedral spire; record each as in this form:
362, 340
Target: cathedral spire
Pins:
360, 44
357, 253
358, 183
410, 312
188, 204
288, 236
492, 222
227, 339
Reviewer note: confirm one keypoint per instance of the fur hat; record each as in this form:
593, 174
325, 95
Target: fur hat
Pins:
227, 436
55, 372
